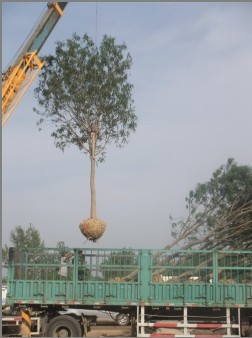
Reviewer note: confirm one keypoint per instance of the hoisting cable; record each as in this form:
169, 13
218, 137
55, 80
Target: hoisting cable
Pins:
96, 50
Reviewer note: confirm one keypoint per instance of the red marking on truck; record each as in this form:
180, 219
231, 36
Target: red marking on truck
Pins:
163, 335
165, 325
207, 336
209, 326
195, 336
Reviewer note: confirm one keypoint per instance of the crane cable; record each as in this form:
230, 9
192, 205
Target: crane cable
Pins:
96, 49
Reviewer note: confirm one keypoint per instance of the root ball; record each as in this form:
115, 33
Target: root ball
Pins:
92, 228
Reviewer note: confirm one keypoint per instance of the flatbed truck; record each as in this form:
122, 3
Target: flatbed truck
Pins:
172, 293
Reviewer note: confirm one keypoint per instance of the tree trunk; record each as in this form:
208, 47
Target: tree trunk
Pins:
92, 228
92, 176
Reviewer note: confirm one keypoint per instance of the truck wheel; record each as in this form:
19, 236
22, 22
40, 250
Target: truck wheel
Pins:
122, 319
63, 326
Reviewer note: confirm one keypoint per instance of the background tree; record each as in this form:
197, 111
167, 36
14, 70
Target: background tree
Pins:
5, 253
118, 264
61, 245
85, 96
219, 212
22, 238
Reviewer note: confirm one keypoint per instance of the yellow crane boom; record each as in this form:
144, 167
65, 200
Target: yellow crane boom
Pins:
19, 76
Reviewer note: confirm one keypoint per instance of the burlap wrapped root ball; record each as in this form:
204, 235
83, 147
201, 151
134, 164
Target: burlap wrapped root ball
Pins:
92, 228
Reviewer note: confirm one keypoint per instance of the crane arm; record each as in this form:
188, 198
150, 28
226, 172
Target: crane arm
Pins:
19, 76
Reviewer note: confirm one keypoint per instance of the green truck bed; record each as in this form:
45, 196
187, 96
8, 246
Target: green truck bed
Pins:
130, 277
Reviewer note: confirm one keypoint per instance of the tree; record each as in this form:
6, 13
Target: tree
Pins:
23, 238
61, 245
219, 211
118, 264
84, 94
30, 237
5, 254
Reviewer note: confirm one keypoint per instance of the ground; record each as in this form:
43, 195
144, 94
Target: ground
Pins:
110, 331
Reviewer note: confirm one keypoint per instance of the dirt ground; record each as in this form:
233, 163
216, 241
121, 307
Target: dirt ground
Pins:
110, 331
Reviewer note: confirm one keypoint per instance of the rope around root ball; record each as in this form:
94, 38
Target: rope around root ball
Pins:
92, 228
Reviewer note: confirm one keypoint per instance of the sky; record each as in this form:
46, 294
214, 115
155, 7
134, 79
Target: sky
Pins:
192, 77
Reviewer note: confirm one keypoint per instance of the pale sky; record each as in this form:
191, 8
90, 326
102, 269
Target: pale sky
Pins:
192, 77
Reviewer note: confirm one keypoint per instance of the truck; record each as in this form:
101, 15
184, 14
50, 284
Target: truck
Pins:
172, 293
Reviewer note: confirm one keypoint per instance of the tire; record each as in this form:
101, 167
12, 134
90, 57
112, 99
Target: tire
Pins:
63, 326
122, 319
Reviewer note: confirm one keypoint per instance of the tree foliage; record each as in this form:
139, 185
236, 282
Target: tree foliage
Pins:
219, 211
219, 214
23, 238
30, 237
61, 245
84, 94
118, 264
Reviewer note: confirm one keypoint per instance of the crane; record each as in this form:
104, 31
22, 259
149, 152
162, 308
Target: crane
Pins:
21, 73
